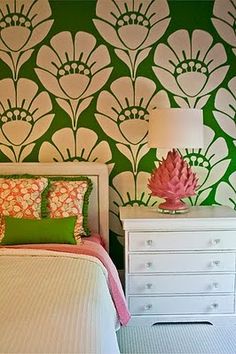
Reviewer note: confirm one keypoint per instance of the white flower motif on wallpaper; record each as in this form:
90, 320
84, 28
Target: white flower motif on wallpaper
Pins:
225, 103
123, 114
128, 189
23, 24
226, 192
73, 70
190, 67
132, 26
210, 163
81, 145
224, 20
24, 117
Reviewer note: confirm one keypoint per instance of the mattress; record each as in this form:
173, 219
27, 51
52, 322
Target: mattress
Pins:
55, 302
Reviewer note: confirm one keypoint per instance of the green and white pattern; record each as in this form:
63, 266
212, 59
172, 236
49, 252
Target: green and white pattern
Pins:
78, 78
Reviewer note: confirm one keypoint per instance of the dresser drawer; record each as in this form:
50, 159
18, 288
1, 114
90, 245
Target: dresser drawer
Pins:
195, 240
181, 262
177, 305
158, 284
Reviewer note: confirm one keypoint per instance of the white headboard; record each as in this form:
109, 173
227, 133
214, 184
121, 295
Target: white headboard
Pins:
97, 172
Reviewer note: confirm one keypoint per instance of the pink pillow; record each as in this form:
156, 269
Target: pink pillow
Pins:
70, 197
21, 197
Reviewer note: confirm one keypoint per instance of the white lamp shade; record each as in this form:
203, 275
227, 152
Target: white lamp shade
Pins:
175, 128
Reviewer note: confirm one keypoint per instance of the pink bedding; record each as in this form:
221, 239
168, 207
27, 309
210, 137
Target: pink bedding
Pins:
92, 247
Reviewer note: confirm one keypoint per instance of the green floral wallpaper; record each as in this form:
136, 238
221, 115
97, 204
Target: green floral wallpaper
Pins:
78, 78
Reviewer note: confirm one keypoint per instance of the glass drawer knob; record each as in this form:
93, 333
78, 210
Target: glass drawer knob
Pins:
148, 286
216, 263
149, 242
215, 285
147, 307
214, 306
215, 241
148, 265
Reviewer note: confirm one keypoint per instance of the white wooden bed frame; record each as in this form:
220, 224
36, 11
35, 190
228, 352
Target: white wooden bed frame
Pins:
97, 172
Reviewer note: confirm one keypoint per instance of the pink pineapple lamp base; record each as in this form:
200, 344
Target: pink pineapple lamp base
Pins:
173, 206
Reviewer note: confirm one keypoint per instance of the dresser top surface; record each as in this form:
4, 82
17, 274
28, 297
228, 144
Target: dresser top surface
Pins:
198, 212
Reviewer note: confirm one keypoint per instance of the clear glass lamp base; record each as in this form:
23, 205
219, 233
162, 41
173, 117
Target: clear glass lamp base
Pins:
173, 206
173, 212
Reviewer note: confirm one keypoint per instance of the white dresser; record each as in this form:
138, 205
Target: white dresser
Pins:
180, 268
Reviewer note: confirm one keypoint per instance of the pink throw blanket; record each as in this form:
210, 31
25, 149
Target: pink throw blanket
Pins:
92, 249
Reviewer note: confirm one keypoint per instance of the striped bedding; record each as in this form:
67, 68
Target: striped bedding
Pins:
55, 302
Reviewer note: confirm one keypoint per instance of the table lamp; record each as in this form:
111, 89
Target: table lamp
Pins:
173, 179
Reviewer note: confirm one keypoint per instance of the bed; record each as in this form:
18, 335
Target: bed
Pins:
62, 298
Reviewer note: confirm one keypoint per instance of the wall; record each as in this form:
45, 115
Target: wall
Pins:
79, 77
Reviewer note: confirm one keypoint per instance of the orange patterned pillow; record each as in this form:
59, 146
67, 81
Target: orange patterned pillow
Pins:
21, 197
70, 197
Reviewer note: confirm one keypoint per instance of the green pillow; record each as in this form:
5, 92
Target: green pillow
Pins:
20, 231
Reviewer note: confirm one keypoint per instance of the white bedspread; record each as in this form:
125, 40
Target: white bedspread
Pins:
55, 303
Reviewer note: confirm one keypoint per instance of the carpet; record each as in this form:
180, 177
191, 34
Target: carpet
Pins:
177, 339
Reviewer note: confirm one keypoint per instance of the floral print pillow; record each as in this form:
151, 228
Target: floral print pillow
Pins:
21, 198
70, 197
